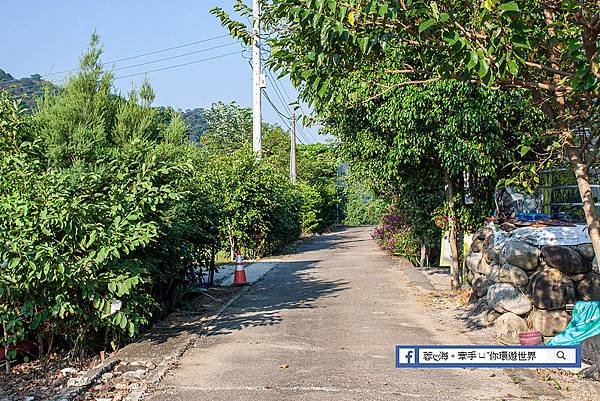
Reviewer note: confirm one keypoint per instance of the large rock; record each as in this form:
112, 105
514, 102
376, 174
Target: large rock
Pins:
483, 267
480, 287
520, 254
505, 297
595, 267
549, 323
585, 250
491, 254
565, 259
508, 326
472, 260
476, 245
590, 350
512, 275
578, 277
588, 289
494, 274
550, 290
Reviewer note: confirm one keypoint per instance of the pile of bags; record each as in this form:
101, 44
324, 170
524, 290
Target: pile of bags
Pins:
520, 285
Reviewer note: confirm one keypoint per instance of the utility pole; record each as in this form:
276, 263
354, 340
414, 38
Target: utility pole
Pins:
293, 150
256, 80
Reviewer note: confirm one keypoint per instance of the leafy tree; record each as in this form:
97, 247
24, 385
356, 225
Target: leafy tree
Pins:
195, 119
458, 134
362, 207
549, 48
317, 175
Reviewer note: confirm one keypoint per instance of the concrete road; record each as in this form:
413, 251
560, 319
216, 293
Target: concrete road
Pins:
322, 325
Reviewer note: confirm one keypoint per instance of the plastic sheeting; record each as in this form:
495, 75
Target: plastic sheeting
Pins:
541, 236
585, 324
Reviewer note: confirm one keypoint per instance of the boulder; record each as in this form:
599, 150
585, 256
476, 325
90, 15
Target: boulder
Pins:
491, 254
512, 275
595, 267
549, 323
590, 350
548, 290
472, 260
588, 289
569, 287
491, 316
508, 326
483, 267
476, 245
585, 250
480, 287
520, 254
578, 277
494, 273
484, 234
565, 259
504, 297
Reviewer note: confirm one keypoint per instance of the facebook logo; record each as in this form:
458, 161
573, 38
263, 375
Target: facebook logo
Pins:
406, 356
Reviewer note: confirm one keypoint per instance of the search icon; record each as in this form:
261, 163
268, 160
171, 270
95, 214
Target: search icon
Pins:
560, 355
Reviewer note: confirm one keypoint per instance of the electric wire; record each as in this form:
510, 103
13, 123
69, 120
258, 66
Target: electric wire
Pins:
33, 84
132, 57
150, 71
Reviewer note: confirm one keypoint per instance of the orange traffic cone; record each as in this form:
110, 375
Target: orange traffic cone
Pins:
239, 276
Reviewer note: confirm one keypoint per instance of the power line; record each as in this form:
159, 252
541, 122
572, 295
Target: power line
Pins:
132, 57
278, 91
174, 57
150, 71
34, 84
178, 65
280, 115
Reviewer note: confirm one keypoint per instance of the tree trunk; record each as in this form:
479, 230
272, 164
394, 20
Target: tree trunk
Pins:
6, 360
587, 196
231, 242
423, 255
452, 235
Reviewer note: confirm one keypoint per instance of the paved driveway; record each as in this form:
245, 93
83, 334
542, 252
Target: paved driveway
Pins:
321, 326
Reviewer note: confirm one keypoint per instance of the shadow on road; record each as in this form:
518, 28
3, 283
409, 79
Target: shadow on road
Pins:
289, 286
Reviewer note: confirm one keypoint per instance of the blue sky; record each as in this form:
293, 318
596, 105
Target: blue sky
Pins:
46, 37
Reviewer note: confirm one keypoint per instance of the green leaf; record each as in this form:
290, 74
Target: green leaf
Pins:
426, 24
513, 67
510, 6
363, 43
473, 60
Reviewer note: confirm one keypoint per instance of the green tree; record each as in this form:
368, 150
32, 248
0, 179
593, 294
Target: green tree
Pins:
549, 48
458, 134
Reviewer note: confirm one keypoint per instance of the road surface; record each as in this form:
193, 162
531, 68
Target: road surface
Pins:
322, 325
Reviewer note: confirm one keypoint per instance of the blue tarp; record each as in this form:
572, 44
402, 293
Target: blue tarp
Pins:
585, 324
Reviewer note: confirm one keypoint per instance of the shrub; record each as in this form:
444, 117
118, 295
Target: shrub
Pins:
102, 213
260, 207
397, 236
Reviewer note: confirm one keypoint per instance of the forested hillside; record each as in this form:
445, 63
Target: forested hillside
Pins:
25, 89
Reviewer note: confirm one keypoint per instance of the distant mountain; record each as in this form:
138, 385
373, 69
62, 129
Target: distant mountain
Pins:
27, 89
196, 121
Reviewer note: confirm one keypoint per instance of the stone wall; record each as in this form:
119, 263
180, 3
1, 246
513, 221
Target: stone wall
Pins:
520, 285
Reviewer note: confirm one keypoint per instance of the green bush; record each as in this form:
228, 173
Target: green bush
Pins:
101, 204
397, 236
259, 205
